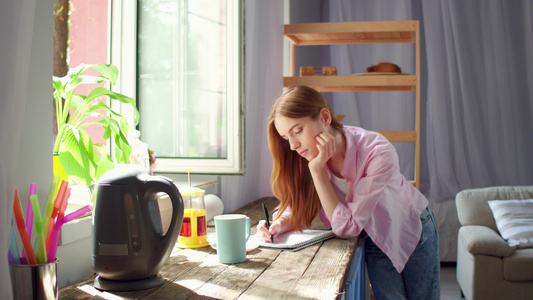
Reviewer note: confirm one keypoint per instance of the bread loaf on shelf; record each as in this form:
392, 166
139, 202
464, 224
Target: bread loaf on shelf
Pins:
384, 67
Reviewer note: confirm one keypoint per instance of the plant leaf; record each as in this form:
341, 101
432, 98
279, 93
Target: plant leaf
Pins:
81, 162
118, 155
100, 91
106, 121
105, 163
58, 86
77, 101
76, 156
106, 71
102, 105
119, 133
107, 132
124, 146
110, 125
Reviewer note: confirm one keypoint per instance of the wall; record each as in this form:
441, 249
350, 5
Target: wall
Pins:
89, 43
36, 140
32, 55
305, 11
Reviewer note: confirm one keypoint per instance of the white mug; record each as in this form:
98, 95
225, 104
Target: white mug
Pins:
233, 231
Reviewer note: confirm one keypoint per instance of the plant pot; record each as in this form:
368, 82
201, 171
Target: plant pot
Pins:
58, 169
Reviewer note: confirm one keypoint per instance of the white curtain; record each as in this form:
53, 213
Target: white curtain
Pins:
477, 96
263, 84
374, 110
15, 48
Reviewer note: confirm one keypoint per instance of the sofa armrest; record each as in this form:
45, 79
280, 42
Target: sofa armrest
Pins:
484, 240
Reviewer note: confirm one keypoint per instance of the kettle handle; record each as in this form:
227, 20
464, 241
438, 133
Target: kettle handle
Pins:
155, 184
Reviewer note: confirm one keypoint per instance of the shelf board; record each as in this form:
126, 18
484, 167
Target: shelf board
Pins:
355, 83
399, 136
351, 33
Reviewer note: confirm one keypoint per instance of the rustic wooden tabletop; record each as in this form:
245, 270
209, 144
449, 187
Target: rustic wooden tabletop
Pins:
316, 272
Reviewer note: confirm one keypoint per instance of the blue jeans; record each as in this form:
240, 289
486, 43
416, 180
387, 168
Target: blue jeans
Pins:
420, 279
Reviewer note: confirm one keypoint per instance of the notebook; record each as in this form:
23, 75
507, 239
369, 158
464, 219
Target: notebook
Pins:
294, 240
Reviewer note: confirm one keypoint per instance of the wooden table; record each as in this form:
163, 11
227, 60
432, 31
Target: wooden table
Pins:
321, 271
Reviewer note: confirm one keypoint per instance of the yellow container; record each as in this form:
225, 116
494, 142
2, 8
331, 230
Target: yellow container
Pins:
193, 232
58, 169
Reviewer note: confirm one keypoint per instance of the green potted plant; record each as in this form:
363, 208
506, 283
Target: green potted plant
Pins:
82, 160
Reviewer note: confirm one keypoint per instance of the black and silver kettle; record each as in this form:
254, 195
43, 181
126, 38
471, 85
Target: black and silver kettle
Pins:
129, 244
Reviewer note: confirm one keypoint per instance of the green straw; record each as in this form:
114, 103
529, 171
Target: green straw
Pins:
50, 203
39, 228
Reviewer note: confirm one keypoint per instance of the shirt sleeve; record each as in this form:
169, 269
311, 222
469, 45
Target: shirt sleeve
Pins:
379, 170
286, 212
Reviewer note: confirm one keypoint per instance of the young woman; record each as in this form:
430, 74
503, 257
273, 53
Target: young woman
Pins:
351, 179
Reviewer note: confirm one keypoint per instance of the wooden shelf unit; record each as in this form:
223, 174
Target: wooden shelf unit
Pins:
362, 33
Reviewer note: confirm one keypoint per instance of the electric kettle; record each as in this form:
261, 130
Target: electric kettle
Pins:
129, 244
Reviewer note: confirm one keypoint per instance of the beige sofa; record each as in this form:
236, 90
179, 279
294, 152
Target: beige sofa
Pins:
487, 267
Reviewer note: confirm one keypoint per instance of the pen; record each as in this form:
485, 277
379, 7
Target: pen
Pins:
267, 221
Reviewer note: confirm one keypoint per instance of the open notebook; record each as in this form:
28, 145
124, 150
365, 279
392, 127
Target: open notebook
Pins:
294, 240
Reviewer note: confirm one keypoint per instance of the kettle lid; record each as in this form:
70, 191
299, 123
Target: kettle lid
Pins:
124, 175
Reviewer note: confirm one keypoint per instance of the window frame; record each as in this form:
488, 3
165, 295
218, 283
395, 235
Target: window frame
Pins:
123, 54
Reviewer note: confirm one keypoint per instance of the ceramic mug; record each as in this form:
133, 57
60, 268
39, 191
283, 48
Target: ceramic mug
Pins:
233, 231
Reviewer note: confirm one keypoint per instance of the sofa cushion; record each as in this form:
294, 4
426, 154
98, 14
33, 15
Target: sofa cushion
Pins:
472, 206
519, 266
514, 219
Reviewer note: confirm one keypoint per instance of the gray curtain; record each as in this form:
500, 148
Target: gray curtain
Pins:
477, 70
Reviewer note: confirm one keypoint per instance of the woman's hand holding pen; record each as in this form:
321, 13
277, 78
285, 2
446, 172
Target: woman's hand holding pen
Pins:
265, 234
277, 227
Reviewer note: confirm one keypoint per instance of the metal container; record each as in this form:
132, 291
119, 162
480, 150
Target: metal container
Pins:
34, 282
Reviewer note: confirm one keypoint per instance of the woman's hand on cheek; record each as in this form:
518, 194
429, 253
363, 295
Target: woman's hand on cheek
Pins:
326, 149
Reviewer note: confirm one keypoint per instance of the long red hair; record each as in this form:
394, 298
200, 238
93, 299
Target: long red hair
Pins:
291, 180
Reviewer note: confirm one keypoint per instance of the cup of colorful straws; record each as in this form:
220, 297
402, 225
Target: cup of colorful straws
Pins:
33, 269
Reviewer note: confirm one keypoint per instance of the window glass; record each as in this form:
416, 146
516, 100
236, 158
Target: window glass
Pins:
182, 77
189, 57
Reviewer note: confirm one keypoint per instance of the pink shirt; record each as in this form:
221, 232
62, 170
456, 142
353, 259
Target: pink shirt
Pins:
379, 199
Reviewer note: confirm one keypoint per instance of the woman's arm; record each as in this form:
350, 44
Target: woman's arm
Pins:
317, 166
325, 192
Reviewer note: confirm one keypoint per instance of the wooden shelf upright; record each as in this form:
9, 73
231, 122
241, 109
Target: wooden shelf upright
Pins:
362, 33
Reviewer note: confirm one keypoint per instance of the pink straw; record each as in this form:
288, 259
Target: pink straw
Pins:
29, 216
29, 210
57, 228
19, 218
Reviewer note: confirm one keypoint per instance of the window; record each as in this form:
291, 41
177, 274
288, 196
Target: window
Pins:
188, 80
